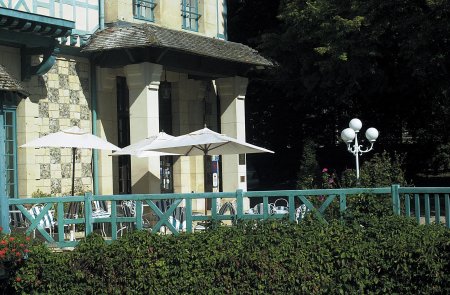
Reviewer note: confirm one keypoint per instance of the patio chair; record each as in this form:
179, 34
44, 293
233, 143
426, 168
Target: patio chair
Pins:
47, 221
301, 212
259, 208
178, 219
16, 219
281, 206
99, 210
227, 206
73, 210
128, 209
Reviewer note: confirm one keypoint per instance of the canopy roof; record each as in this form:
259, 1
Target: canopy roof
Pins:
162, 43
8, 83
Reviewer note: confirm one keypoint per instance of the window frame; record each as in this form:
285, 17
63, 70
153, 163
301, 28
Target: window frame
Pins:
138, 10
190, 15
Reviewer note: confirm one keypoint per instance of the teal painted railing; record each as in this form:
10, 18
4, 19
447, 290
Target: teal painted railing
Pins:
409, 201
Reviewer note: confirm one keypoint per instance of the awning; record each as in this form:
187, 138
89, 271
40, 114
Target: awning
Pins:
8, 83
133, 43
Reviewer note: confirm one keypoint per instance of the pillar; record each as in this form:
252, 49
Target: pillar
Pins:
106, 127
232, 121
143, 85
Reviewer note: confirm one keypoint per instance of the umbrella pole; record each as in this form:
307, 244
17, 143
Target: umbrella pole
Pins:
73, 170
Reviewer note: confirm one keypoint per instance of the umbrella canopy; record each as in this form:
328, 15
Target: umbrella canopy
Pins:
140, 148
206, 142
74, 138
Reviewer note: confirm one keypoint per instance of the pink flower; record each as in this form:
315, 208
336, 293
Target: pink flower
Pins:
324, 170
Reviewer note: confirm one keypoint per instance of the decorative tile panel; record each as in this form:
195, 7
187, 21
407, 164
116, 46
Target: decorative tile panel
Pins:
66, 170
44, 171
65, 104
55, 188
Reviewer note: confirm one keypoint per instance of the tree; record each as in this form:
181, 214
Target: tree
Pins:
386, 62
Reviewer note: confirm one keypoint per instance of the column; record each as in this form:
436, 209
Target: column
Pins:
232, 121
106, 127
143, 84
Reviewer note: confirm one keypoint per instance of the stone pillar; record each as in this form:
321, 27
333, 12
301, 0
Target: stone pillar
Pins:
232, 121
106, 127
143, 84
186, 118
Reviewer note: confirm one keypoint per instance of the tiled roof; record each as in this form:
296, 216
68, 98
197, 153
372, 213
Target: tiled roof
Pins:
148, 35
8, 83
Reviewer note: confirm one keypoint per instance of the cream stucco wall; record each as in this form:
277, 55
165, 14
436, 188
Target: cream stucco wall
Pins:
168, 14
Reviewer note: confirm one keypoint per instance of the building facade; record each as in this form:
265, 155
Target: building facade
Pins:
124, 70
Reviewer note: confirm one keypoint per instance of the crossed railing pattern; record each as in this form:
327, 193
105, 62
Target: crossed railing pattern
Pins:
409, 201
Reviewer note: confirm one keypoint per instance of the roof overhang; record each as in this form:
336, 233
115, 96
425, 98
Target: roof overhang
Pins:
9, 84
181, 51
41, 25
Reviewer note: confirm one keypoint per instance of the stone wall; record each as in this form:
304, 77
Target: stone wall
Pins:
62, 97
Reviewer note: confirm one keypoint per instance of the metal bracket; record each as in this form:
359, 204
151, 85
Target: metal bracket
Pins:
49, 59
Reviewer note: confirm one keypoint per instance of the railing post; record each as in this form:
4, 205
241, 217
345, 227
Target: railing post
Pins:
188, 215
4, 214
240, 203
88, 214
342, 202
395, 199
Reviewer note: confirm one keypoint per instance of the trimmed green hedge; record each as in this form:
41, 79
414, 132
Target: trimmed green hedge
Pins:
382, 256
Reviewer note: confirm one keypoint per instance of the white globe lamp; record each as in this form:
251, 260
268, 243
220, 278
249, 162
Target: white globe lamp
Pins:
372, 134
355, 124
348, 134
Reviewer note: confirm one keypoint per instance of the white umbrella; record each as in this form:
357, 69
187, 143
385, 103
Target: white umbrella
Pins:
140, 148
206, 142
74, 138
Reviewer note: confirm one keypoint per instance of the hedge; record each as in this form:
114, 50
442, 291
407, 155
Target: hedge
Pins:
380, 256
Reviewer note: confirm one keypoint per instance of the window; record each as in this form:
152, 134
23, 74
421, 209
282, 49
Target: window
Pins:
123, 132
221, 19
189, 12
165, 124
10, 152
143, 9
8, 123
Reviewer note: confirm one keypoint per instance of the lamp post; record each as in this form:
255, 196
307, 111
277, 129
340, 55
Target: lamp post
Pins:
351, 133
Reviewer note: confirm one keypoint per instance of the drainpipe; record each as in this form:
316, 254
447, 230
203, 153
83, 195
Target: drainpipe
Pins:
94, 124
101, 8
93, 74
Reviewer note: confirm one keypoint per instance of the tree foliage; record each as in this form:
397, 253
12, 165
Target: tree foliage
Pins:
385, 62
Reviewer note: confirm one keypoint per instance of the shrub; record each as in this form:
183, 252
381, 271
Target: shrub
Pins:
14, 250
380, 256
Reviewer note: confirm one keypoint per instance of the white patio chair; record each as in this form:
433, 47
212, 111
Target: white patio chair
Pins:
72, 213
98, 211
47, 222
259, 208
17, 219
301, 212
281, 206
